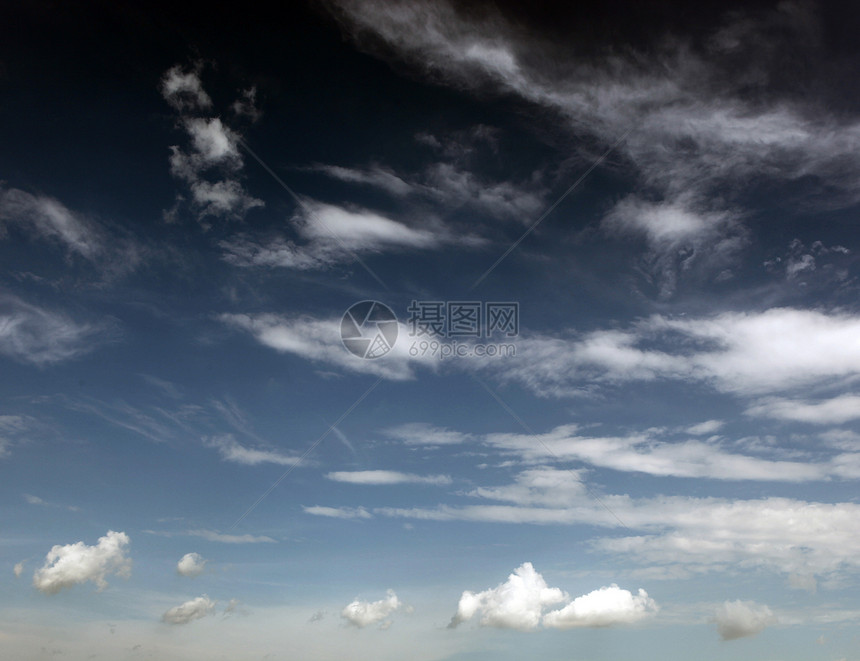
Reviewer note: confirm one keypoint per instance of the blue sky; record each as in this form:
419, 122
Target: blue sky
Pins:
661, 459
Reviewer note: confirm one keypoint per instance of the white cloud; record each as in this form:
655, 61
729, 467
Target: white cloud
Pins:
737, 619
13, 428
51, 220
191, 564
227, 538
752, 353
365, 613
515, 604
451, 186
183, 89
39, 336
35, 500
422, 433
112, 250
674, 533
189, 611
18, 569
72, 564
320, 340
648, 453
835, 411
386, 477
332, 234
703, 428
696, 131
211, 164
231, 450
602, 608
542, 486
338, 512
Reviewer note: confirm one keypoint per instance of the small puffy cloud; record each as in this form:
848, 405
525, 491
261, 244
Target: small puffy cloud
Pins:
364, 613
602, 608
191, 610
515, 604
18, 569
69, 565
183, 89
386, 477
210, 165
191, 564
737, 619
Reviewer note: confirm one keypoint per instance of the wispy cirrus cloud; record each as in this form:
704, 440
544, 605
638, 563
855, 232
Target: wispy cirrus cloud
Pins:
108, 248
744, 353
338, 512
834, 411
42, 337
329, 234
688, 535
231, 450
698, 139
383, 477
214, 536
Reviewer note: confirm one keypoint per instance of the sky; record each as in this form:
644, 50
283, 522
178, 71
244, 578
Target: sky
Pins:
430, 330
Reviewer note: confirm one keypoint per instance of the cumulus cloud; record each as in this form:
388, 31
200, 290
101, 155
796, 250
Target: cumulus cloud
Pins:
191, 564
364, 613
18, 569
517, 603
191, 610
602, 608
386, 477
738, 619
73, 564
210, 165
